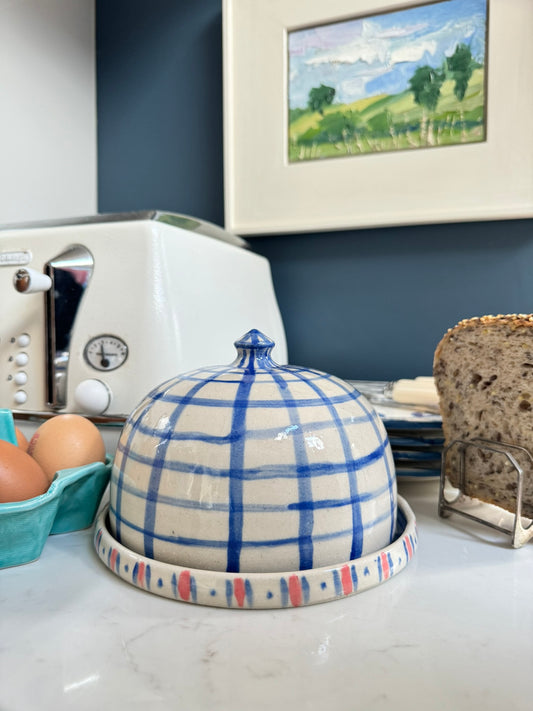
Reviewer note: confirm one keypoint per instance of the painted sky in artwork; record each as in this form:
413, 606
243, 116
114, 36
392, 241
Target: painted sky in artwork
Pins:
378, 54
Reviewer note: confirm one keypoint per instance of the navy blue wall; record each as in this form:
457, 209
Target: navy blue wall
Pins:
359, 304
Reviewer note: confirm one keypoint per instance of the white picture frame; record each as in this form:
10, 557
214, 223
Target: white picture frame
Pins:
264, 194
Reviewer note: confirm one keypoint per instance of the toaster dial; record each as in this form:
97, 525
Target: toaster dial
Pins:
106, 352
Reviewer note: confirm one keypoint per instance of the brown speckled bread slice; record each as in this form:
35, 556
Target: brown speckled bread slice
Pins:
483, 370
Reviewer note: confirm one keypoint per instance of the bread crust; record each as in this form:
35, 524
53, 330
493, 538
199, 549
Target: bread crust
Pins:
483, 370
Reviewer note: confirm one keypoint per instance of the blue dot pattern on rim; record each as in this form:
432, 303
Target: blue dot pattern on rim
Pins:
264, 463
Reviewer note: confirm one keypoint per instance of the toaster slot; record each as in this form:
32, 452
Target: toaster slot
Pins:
70, 273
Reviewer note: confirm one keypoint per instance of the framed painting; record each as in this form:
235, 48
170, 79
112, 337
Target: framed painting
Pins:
369, 113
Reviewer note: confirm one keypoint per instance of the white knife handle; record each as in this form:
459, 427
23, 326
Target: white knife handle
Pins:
421, 391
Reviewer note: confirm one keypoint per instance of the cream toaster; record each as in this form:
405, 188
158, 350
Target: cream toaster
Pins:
98, 311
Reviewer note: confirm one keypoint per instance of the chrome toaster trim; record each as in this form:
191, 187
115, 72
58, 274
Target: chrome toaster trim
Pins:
185, 222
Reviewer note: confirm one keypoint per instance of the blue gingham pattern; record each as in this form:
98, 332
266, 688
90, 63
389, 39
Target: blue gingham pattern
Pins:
253, 467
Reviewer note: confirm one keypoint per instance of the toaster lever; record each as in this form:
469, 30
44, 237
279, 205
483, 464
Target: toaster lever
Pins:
30, 281
69, 273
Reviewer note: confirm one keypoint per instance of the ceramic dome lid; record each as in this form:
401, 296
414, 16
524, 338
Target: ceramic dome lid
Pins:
253, 467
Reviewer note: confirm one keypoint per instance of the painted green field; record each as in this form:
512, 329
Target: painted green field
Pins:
388, 123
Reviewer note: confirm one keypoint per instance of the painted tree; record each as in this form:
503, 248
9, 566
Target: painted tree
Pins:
320, 97
426, 84
461, 66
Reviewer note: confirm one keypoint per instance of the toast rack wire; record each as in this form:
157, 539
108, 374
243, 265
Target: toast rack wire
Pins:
519, 533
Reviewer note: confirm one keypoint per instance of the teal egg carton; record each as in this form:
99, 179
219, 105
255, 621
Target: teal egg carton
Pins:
70, 504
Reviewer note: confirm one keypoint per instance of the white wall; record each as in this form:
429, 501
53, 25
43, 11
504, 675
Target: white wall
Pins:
47, 109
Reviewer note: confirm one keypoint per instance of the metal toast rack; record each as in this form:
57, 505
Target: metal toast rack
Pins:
494, 517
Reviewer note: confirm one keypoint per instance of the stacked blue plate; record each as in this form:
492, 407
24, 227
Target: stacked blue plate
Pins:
415, 433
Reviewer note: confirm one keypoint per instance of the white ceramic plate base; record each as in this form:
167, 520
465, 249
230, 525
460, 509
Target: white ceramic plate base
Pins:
259, 590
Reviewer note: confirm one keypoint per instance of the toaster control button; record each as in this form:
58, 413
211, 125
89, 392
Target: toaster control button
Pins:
20, 378
21, 359
20, 397
92, 396
23, 340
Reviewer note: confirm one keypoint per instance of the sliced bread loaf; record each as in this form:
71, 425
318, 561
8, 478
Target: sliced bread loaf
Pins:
483, 370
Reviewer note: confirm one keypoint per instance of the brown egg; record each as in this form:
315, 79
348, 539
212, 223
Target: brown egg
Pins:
21, 439
21, 477
66, 441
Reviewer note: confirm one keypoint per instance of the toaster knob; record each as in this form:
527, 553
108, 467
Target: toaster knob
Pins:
92, 396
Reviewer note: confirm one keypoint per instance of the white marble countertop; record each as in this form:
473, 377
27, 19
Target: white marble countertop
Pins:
452, 631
